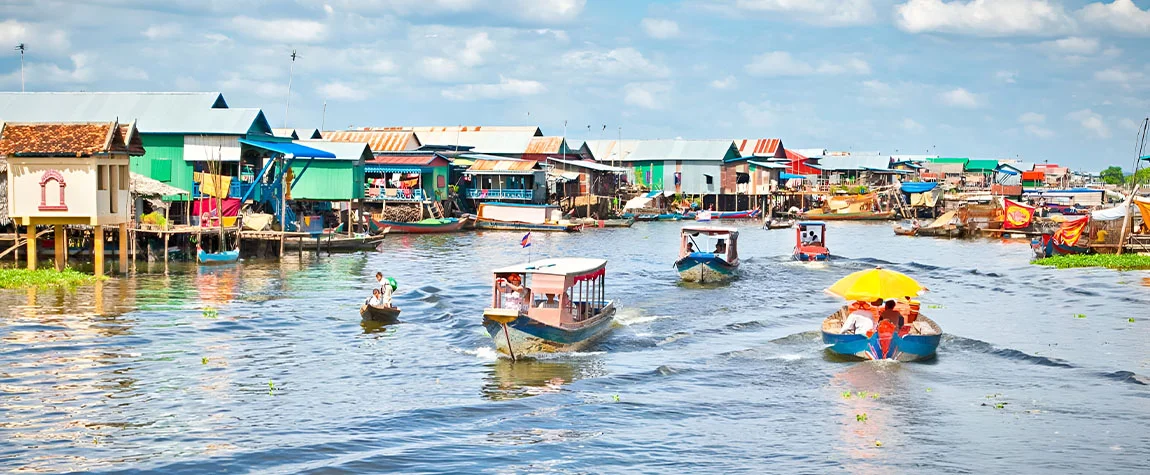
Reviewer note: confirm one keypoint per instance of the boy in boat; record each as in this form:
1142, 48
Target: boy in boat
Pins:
549, 303
385, 289
890, 314
374, 300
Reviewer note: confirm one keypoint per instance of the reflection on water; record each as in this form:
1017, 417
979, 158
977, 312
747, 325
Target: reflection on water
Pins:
284, 376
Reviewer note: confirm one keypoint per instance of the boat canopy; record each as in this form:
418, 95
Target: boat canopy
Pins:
811, 223
578, 267
710, 230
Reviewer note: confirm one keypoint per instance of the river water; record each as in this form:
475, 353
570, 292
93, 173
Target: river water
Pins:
267, 367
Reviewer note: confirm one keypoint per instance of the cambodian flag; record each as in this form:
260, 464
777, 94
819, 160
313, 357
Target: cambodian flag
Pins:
526, 241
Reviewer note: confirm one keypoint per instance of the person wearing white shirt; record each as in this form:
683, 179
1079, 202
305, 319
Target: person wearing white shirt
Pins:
374, 300
859, 322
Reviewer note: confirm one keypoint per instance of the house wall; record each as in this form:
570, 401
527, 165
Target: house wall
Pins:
163, 161
695, 181
431, 186
654, 169
81, 196
328, 180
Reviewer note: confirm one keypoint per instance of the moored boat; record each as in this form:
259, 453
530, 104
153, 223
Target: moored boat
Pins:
697, 264
748, 214
378, 313
338, 242
776, 223
427, 226
810, 241
561, 307
917, 340
617, 223
523, 217
858, 216
905, 229
226, 257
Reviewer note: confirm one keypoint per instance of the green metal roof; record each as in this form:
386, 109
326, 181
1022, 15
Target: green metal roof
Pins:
948, 160
981, 165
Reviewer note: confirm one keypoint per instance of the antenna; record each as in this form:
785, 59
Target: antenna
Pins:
291, 72
21, 48
323, 118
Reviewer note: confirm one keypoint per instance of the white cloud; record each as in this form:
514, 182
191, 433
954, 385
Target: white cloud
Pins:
281, 30
239, 83
439, 69
50, 73
1118, 76
728, 82
1072, 45
1009, 77
1038, 131
474, 48
878, 93
548, 11
328, 9
337, 90
35, 36
505, 88
131, 73
1091, 121
960, 98
533, 11
984, 17
1032, 118
910, 125
649, 95
1121, 16
383, 66
823, 12
1128, 124
217, 39
781, 63
659, 28
164, 31
617, 62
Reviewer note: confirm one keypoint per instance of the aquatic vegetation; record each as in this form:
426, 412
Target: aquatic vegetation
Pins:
204, 360
878, 443
1000, 405
23, 278
616, 398
928, 390
861, 417
1131, 319
211, 312
847, 394
1080, 315
1110, 261
271, 387
934, 306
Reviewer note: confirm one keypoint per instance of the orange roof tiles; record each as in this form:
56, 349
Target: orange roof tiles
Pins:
758, 147
82, 139
378, 140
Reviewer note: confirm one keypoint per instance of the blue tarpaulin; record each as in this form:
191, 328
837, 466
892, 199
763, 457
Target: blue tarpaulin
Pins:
288, 148
791, 176
918, 186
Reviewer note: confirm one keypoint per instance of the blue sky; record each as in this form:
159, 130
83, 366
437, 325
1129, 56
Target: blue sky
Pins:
1067, 82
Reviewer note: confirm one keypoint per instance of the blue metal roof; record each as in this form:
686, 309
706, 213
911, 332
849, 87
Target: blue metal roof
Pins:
288, 148
918, 187
788, 176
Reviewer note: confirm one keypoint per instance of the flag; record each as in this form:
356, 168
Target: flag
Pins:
1071, 231
1017, 215
526, 241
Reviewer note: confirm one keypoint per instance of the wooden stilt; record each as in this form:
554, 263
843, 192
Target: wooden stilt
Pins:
31, 244
123, 248
165, 250
98, 250
61, 250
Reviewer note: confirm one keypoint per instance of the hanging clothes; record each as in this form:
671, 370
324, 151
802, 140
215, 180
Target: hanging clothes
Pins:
208, 184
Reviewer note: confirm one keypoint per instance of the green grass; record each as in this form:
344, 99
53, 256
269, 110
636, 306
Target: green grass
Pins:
1110, 261
23, 278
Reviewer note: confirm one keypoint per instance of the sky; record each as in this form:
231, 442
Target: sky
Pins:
1037, 80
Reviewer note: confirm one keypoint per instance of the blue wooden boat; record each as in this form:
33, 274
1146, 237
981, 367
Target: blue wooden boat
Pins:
562, 307
707, 254
917, 341
225, 257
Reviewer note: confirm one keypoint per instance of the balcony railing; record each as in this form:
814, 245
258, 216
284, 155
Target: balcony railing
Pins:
394, 194
493, 194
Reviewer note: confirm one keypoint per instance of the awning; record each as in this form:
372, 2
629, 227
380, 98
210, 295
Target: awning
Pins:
791, 176
768, 165
289, 149
918, 187
377, 168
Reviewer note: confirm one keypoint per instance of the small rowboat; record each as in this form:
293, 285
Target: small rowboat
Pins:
779, 224
903, 230
376, 313
915, 341
427, 226
696, 264
226, 257
523, 217
336, 242
575, 314
748, 214
859, 216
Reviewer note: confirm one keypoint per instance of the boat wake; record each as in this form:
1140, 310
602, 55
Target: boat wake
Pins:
954, 343
633, 316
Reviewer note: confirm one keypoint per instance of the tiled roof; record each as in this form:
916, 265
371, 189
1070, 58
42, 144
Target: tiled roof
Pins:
378, 140
419, 160
60, 139
132, 139
758, 147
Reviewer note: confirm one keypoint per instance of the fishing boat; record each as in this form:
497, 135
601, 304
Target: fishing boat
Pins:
749, 214
378, 313
948, 225
857, 216
867, 207
338, 242
917, 340
616, 223
905, 229
707, 254
226, 257
426, 226
523, 217
912, 337
810, 241
562, 307
655, 216
777, 223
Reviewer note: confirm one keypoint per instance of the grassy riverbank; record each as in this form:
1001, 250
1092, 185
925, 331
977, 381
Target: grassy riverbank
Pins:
23, 278
1110, 261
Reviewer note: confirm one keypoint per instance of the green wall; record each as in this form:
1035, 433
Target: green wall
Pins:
656, 169
431, 189
328, 180
163, 160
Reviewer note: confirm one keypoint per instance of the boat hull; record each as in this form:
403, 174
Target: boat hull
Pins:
530, 337
617, 223
861, 216
1047, 246
365, 243
734, 214
226, 257
417, 228
888, 345
379, 314
780, 224
510, 226
811, 254
705, 268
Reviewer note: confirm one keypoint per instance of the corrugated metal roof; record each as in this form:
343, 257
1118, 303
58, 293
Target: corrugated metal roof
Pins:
611, 150
422, 160
285, 133
758, 147
342, 150
591, 165
981, 165
502, 165
379, 141
155, 112
855, 162
543, 145
683, 150
963, 161
509, 140
810, 152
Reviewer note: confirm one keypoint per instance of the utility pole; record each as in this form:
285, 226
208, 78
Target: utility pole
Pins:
291, 72
20, 47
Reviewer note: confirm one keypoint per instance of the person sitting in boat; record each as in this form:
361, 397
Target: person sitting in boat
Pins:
721, 247
889, 313
375, 300
514, 294
860, 321
549, 303
690, 248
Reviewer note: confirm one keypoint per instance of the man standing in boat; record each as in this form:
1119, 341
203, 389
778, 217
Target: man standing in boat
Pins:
386, 287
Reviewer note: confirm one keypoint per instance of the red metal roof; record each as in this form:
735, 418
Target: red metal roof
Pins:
759, 147
80, 139
378, 140
541, 145
417, 160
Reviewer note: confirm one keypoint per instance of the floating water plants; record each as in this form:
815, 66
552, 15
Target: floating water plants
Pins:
861, 417
1110, 261
204, 360
1131, 319
22, 278
1080, 315
211, 312
271, 387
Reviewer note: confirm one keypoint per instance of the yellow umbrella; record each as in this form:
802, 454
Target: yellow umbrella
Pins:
877, 283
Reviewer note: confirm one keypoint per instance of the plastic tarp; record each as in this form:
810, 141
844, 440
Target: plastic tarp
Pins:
927, 199
918, 187
943, 220
1109, 214
639, 202
791, 176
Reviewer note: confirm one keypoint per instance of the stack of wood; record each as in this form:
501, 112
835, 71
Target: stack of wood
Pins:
404, 213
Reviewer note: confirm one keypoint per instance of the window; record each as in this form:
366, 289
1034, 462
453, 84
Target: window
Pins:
101, 177
441, 181
742, 178
710, 179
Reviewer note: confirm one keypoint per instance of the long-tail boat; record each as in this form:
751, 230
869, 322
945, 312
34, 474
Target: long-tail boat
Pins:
707, 254
917, 340
811, 241
427, 226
